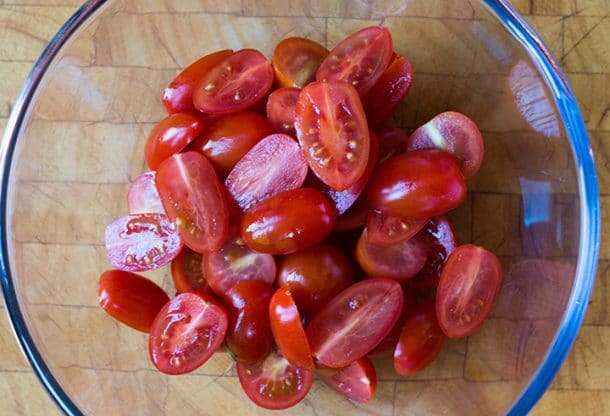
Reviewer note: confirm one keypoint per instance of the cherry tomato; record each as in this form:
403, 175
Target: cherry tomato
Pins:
388, 92
400, 261
387, 230
178, 96
387, 346
229, 138
453, 133
236, 83
170, 136
187, 272
315, 275
186, 332
130, 298
143, 197
194, 198
417, 185
392, 141
353, 218
420, 341
467, 291
331, 128
273, 383
281, 109
296, 60
289, 221
135, 243
275, 164
249, 334
354, 322
357, 381
360, 59
288, 331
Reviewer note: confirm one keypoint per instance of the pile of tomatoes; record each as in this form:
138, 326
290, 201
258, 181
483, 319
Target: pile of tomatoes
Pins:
304, 231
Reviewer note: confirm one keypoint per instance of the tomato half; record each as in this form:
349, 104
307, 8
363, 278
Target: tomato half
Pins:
331, 127
387, 346
131, 299
386, 230
392, 141
194, 198
281, 109
357, 381
235, 84
186, 332
143, 197
296, 60
187, 273
467, 291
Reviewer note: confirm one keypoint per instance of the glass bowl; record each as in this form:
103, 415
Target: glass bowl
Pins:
75, 139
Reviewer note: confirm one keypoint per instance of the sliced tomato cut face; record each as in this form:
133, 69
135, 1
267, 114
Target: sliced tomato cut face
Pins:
281, 109
354, 322
194, 198
296, 60
357, 381
359, 60
275, 164
187, 272
387, 230
273, 383
235, 84
186, 332
392, 141
143, 197
467, 291
332, 130
136, 243
387, 346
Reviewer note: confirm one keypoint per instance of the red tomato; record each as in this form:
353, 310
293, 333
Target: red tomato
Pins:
357, 381
387, 346
143, 197
186, 332
135, 243
229, 138
187, 272
360, 59
399, 262
388, 92
392, 141
178, 96
453, 133
387, 230
315, 275
130, 299
281, 110
354, 322
275, 164
417, 185
289, 221
420, 341
273, 383
467, 291
353, 218
288, 331
331, 127
296, 60
170, 136
236, 83
194, 198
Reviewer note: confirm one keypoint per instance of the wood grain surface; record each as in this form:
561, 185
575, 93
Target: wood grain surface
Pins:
578, 33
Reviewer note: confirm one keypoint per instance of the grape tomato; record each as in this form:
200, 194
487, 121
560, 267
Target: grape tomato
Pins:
357, 381
296, 60
187, 272
143, 197
386, 230
281, 109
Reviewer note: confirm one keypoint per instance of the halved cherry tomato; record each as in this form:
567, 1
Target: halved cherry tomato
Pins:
288, 331
417, 185
273, 383
420, 341
143, 197
289, 221
467, 291
186, 332
354, 322
229, 138
296, 60
235, 84
135, 243
131, 299
315, 275
387, 346
331, 127
194, 198
392, 141
275, 164
353, 218
178, 96
187, 272
359, 59
170, 136
453, 133
386, 230
281, 109
357, 381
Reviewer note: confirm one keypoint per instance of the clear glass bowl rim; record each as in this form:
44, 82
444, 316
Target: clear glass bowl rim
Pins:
570, 114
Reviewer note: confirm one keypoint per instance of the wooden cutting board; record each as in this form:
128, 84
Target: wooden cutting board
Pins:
578, 33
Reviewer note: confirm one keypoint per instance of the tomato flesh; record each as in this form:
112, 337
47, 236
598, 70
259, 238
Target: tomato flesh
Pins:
357, 381
296, 60
143, 197
386, 230
187, 273
281, 109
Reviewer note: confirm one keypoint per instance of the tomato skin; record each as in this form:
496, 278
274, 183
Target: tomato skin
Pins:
417, 185
392, 141
288, 222
354, 218
143, 197
170, 136
187, 273
387, 230
357, 381
130, 299
421, 340
178, 96
469, 285
282, 108
296, 60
